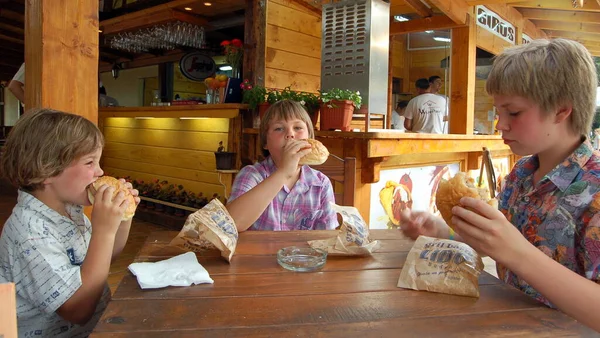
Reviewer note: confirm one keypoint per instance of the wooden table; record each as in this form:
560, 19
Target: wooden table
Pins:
357, 297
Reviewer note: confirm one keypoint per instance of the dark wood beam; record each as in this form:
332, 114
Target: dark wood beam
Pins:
15, 35
10, 39
13, 6
5, 13
7, 53
116, 52
11, 28
420, 8
13, 46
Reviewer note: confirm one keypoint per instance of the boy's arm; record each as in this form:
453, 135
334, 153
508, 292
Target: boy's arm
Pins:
571, 293
121, 238
247, 207
80, 308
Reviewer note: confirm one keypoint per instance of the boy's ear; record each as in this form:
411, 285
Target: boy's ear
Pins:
562, 113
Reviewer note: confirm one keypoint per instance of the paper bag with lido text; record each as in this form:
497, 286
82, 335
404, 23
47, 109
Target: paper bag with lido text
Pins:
352, 238
442, 265
209, 227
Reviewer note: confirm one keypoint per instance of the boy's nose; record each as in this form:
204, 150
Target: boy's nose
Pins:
99, 172
502, 125
290, 134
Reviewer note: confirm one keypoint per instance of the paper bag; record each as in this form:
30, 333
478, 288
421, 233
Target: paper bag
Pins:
353, 236
209, 227
442, 265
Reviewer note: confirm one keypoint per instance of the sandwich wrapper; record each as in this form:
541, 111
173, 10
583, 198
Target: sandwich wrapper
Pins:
209, 228
182, 270
353, 236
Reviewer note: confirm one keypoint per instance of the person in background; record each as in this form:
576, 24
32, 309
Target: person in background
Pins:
277, 193
435, 83
545, 237
398, 115
17, 84
425, 112
58, 259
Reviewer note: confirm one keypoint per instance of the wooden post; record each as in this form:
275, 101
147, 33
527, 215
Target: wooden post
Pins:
61, 56
255, 41
462, 77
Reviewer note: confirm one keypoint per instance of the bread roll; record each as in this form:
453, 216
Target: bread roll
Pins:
318, 154
451, 191
119, 186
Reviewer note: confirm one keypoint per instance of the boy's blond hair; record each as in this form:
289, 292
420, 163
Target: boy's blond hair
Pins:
43, 143
283, 110
550, 73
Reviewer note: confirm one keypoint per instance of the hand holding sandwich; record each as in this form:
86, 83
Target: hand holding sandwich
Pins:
292, 152
485, 228
114, 203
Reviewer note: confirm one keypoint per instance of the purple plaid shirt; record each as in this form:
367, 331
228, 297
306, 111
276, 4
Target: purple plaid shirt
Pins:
304, 207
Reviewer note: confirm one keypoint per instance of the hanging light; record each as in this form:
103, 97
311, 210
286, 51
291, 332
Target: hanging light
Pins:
115, 70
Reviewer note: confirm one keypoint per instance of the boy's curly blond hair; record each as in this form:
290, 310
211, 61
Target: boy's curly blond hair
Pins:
551, 73
43, 143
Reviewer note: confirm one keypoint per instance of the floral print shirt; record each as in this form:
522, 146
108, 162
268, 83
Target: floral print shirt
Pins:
559, 215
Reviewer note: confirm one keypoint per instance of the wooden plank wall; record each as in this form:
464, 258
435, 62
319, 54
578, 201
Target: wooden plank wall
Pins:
293, 47
179, 151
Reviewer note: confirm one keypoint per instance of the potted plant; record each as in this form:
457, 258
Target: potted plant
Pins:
224, 160
337, 108
252, 95
312, 104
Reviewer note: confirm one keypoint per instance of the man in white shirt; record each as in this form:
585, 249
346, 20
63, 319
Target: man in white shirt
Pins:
17, 84
398, 115
425, 112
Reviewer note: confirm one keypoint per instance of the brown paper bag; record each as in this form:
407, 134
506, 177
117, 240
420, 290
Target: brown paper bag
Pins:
353, 236
442, 265
209, 227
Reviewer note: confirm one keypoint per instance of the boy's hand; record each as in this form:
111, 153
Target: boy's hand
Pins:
292, 152
416, 223
488, 231
108, 211
133, 192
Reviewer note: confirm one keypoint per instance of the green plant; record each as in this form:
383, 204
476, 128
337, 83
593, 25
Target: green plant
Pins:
273, 95
253, 95
310, 101
341, 95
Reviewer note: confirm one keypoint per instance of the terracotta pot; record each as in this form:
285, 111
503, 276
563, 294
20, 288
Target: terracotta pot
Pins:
339, 116
262, 108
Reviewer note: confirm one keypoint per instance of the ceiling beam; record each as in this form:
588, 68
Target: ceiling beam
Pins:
13, 6
420, 25
14, 35
487, 2
10, 39
117, 53
7, 27
573, 35
399, 9
558, 15
456, 10
568, 26
14, 47
420, 8
5, 13
558, 4
7, 53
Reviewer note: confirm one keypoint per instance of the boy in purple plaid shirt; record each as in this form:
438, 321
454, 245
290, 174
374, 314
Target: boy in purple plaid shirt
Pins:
278, 194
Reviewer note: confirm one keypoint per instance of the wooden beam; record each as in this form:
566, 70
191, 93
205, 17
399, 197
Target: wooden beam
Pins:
14, 35
420, 8
508, 13
420, 25
558, 4
573, 35
456, 10
568, 26
313, 6
255, 35
145, 60
56, 53
488, 2
13, 23
10, 39
117, 53
18, 47
14, 7
5, 13
462, 77
399, 9
558, 15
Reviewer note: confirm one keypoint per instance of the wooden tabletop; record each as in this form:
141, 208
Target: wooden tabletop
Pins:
351, 296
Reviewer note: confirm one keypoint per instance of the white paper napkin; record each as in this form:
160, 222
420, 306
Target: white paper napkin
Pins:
182, 270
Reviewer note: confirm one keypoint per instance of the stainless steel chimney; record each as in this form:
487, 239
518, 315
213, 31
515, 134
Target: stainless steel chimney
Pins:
355, 49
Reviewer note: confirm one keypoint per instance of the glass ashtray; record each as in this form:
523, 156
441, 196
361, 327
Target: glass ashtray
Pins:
301, 259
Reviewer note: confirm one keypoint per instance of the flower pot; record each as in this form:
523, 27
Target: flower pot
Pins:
314, 117
225, 160
262, 108
337, 115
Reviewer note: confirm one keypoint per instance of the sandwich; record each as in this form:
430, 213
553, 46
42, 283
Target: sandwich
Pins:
318, 154
118, 186
451, 191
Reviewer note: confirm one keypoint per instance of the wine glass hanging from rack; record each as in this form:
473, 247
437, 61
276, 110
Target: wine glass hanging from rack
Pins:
166, 37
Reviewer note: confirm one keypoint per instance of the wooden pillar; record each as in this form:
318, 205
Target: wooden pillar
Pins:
61, 56
462, 77
255, 41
